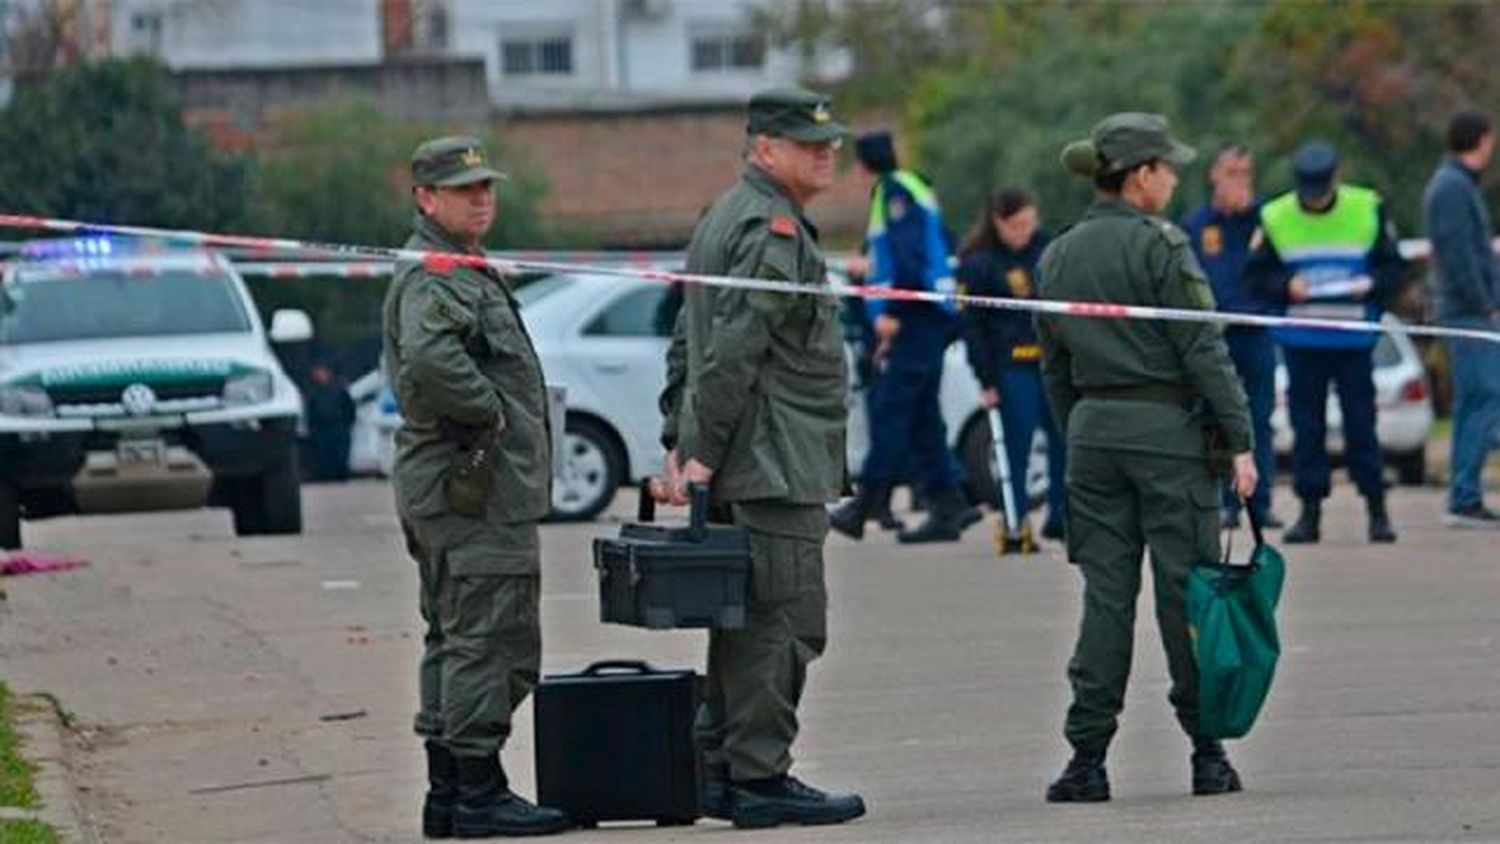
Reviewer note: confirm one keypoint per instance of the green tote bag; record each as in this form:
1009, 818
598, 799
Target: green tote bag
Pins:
1232, 622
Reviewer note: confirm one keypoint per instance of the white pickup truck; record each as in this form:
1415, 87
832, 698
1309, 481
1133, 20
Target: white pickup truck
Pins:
136, 377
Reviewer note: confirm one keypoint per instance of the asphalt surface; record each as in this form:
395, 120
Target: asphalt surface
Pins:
262, 690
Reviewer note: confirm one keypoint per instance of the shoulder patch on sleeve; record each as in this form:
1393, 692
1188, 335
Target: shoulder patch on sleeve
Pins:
783, 225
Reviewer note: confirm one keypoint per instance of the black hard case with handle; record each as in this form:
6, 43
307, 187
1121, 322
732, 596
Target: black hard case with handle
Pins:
615, 743
664, 576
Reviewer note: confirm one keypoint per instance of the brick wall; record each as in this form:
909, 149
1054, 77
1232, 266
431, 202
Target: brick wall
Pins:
639, 179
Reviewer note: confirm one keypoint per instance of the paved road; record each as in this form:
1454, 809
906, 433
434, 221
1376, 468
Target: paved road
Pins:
233, 690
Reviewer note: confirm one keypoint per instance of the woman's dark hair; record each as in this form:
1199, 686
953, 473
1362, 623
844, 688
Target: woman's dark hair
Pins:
1003, 203
1466, 131
1113, 181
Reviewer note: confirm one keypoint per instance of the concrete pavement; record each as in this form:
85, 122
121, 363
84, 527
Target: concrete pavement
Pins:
230, 690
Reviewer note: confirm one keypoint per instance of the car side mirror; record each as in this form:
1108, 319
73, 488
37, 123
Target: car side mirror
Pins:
291, 326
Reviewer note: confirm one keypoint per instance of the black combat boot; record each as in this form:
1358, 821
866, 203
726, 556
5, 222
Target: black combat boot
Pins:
1306, 530
1380, 521
714, 793
881, 512
486, 806
849, 518
1212, 773
442, 792
1083, 781
786, 799
949, 514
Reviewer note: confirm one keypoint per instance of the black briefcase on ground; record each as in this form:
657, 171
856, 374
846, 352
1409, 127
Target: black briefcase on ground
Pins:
663, 576
615, 743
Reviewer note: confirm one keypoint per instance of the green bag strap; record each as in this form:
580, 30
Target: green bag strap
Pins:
1256, 531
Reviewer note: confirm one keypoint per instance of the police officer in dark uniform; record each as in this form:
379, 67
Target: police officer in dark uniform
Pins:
1221, 230
1135, 397
998, 258
909, 247
1328, 250
754, 407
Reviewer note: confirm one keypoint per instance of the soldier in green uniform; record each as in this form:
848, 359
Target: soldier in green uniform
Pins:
754, 407
472, 479
1135, 398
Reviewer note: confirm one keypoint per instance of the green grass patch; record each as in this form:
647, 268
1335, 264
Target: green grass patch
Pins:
15, 773
27, 832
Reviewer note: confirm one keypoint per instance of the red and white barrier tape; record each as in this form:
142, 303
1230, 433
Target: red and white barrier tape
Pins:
447, 261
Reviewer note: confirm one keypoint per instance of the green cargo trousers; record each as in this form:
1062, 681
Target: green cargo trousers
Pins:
1121, 503
482, 650
756, 674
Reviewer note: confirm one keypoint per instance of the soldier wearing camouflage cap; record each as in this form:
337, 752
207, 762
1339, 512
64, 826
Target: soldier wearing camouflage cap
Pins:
472, 479
1135, 398
754, 407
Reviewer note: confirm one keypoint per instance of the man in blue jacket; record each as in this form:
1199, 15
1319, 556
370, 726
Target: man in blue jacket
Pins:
1220, 231
1468, 297
909, 248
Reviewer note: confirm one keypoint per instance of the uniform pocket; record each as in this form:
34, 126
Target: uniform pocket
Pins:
783, 568
1203, 508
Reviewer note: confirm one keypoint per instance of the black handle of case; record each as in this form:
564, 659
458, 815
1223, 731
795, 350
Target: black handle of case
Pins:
645, 511
638, 666
698, 510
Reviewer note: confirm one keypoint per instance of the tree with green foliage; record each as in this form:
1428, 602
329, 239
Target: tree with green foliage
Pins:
105, 142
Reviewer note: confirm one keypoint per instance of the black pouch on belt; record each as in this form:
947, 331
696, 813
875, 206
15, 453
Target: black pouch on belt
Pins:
468, 484
1216, 446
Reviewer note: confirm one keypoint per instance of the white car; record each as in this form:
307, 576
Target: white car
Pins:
1403, 401
372, 438
137, 377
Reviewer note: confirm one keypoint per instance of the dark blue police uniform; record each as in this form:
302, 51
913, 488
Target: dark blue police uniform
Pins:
1005, 355
1222, 243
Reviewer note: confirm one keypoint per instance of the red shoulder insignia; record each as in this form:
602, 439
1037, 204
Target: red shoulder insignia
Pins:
784, 226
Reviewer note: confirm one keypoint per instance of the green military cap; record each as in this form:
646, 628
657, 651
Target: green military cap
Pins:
1125, 140
795, 113
450, 162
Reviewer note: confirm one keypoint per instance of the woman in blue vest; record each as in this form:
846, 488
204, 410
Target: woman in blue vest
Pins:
998, 258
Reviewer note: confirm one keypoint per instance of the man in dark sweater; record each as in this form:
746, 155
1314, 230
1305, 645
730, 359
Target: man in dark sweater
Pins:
1468, 297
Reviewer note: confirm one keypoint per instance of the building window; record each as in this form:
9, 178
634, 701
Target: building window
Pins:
550, 55
717, 50
145, 30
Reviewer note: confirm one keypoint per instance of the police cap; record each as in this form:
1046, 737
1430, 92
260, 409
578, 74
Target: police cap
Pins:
1125, 140
451, 162
795, 113
1314, 165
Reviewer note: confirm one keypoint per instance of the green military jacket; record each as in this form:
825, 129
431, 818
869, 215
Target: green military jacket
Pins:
460, 358
756, 381
1121, 255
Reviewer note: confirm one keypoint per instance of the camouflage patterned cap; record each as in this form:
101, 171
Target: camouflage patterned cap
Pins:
451, 162
1125, 140
795, 113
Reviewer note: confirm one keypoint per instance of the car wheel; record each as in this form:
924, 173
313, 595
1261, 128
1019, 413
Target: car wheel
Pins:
978, 459
1411, 468
593, 467
10, 516
272, 502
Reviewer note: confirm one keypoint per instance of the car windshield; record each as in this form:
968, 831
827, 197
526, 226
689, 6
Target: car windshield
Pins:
48, 304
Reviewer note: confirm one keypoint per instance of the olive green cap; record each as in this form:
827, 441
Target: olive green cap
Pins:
1125, 140
795, 113
451, 162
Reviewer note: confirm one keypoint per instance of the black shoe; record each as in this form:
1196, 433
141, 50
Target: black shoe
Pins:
1380, 529
442, 792
946, 520
1270, 522
1228, 519
486, 807
1212, 773
1306, 530
714, 793
1475, 516
880, 511
849, 518
1053, 531
1083, 781
786, 799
